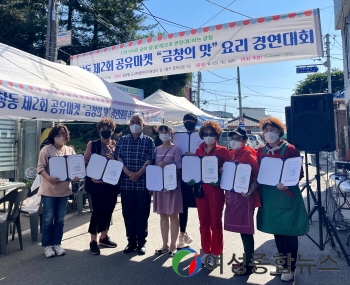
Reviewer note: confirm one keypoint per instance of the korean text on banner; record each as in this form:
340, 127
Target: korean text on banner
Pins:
254, 41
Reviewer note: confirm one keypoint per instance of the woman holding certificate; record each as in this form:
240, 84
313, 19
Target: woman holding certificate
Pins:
239, 211
283, 211
211, 204
168, 204
103, 195
54, 193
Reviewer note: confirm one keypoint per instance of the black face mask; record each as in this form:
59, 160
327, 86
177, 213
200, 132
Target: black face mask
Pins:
106, 134
189, 126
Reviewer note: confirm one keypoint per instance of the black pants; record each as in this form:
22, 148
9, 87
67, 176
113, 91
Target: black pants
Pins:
188, 200
285, 245
136, 207
248, 245
103, 198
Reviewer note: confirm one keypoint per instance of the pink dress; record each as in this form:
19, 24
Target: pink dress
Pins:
170, 202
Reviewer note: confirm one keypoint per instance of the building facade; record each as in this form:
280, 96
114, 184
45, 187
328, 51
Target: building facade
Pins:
342, 23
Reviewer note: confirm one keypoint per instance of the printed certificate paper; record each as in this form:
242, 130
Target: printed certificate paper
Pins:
100, 168
158, 178
236, 177
276, 170
200, 169
67, 167
187, 142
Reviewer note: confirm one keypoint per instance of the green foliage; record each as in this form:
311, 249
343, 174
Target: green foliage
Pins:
95, 24
318, 83
102, 23
23, 25
81, 134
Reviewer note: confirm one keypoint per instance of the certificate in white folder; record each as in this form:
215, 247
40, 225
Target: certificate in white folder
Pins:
200, 169
277, 170
236, 177
187, 142
66, 168
103, 169
158, 178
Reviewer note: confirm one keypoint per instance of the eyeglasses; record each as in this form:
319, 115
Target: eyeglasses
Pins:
236, 139
209, 135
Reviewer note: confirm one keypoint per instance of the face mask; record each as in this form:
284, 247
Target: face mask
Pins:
60, 140
189, 126
235, 145
136, 129
271, 137
106, 134
165, 137
209, 140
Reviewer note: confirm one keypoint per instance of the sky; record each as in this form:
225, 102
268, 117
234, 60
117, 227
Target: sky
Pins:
276, 80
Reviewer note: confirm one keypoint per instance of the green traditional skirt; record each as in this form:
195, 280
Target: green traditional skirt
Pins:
282, 214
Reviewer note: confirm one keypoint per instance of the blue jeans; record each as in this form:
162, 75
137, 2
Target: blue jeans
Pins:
54, 210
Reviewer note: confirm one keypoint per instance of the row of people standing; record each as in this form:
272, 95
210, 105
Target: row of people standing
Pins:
281, 209
137, 151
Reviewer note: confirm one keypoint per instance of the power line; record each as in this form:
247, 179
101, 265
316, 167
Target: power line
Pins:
154, 17
163, 20
219, 12
229, 9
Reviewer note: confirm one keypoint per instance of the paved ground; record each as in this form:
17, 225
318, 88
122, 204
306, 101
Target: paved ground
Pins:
78, 266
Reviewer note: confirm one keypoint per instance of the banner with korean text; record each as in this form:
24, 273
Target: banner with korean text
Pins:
262, 40
22, 101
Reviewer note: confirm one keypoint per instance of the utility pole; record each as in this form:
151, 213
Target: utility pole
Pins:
199, 80
239, 93
52, 27
329, 72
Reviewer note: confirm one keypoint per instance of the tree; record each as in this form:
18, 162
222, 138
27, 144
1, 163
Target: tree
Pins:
23, 25
94, 24
318, 83
97, 24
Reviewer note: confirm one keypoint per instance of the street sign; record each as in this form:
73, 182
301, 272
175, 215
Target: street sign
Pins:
242, 126
64, 38
241, 120
307, 69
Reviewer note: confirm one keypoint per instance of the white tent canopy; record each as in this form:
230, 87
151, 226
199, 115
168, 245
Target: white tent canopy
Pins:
176, 107
32, 87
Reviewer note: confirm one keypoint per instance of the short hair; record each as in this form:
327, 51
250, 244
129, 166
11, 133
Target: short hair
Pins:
139, 116
166, 128
274, 122
190, 116
54, 132
214, 126
105, 122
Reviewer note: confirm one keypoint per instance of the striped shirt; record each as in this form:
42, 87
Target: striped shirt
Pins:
134, 153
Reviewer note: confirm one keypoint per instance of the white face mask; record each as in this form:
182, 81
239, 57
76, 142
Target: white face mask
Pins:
271, 137
165, 137
60, 140
235, 145
136, 129
209, 140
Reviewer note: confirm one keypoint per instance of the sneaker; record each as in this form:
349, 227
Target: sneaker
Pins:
94, 248
204, 256
106, 242
49, 252
184, 240
59, 250
188, 239
213, 260
287, 276
278, 270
